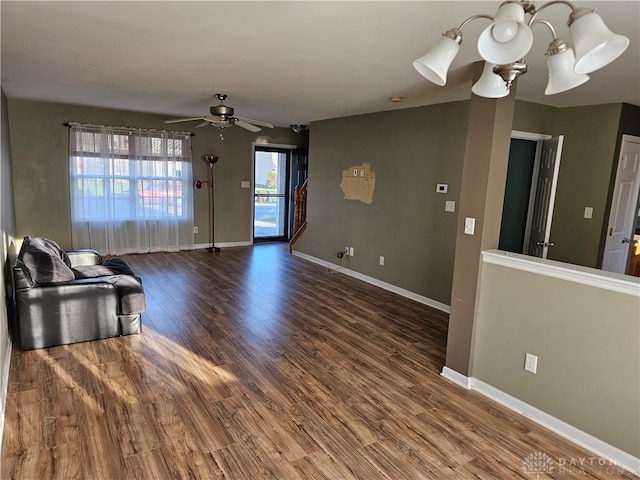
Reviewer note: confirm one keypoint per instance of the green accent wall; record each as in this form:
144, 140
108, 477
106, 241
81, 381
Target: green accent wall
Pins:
590, 139
534, 118
40, 147
410, 151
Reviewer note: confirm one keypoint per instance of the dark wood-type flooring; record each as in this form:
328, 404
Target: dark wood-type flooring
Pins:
254, 364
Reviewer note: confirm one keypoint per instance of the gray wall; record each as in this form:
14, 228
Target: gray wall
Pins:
586, 340
40, 147
7, 253
410, 151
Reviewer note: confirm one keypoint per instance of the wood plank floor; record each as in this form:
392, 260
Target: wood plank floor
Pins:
254, 364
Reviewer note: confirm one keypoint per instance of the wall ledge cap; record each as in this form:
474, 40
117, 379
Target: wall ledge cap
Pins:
565, 271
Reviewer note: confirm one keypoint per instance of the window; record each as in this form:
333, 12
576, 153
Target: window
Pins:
121, 176
124, 176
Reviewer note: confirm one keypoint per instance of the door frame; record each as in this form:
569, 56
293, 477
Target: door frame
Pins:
626, 138
254, 145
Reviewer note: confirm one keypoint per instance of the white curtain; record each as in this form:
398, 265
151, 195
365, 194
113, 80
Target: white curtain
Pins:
131, 189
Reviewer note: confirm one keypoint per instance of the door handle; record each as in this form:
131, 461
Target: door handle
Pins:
626, 240
544, 244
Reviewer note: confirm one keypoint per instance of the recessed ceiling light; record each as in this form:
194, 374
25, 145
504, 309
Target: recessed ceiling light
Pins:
395, 99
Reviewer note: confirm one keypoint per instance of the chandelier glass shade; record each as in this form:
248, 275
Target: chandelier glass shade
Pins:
504, 44
490, 85
508, 38
435, 64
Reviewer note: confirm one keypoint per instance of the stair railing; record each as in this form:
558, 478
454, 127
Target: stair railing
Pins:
299, 213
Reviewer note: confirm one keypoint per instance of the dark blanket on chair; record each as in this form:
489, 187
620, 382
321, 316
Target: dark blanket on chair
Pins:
129, 286
112, 266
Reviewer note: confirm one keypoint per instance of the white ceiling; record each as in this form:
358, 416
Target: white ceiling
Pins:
283, 62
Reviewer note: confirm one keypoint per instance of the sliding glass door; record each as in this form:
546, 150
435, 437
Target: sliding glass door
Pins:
271, 194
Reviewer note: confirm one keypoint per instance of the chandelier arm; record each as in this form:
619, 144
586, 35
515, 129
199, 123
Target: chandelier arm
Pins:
548, 4
548, 24
475, 17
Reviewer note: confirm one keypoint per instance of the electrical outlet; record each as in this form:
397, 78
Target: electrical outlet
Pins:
346, 250
530, 363
195, 229
351, 251
381, 260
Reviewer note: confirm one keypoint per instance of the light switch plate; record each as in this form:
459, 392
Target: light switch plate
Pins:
442, 188
469, 225
450, 206
245, 184
588, 212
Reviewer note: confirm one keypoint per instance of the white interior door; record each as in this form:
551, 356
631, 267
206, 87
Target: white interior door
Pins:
545, 196
623, 207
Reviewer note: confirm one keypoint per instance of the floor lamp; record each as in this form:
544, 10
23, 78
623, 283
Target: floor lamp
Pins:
210, 160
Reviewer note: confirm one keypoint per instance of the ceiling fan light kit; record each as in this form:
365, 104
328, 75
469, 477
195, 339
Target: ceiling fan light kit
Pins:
508, 39
222, 117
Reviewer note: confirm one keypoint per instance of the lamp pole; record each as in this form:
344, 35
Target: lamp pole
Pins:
210, 160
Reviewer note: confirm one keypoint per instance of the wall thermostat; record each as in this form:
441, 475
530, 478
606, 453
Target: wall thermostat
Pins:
442, 188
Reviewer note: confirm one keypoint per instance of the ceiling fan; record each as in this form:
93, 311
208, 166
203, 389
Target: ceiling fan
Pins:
222, 117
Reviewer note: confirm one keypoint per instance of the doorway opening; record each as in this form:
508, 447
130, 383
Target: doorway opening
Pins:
271, 194
532, 179
515, 210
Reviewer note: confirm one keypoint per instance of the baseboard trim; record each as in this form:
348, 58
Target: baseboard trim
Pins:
378, 283
200, 246
5, 384
600, 448
245, 243
456, 377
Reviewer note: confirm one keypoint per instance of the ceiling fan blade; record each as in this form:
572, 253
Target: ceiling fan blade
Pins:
255, 122
248, 126
184, 120
203, 124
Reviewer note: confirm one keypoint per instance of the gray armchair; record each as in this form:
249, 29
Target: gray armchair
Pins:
64, 297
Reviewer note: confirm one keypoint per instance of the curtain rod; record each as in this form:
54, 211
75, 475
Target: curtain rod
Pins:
130, 129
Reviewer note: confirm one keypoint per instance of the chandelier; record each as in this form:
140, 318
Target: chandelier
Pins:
504, 44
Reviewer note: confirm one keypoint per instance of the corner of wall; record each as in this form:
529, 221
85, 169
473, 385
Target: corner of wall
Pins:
7, 234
